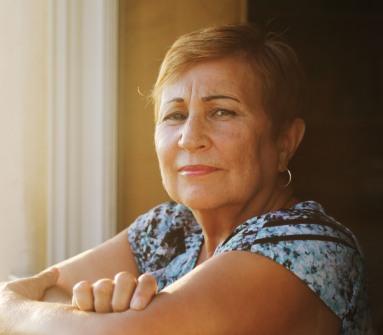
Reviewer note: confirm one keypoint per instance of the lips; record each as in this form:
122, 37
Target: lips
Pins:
196, 170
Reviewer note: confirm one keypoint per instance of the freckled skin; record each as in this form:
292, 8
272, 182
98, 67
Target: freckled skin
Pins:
192, 129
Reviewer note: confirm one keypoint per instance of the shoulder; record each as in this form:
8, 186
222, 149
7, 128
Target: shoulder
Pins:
160, 219
307, 221
323, 253
161, 232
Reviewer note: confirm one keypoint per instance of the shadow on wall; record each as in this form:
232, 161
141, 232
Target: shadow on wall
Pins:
340, 162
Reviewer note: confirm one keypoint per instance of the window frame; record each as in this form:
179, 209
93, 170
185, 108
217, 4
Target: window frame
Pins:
82, 113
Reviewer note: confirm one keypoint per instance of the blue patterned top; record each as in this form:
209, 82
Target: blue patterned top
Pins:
324, 254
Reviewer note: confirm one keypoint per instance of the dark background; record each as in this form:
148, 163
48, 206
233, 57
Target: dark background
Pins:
340, 162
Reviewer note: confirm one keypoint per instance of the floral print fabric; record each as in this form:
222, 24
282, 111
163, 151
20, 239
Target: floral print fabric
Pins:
324, 254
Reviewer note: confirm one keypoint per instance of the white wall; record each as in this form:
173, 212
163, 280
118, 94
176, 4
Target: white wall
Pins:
23, 149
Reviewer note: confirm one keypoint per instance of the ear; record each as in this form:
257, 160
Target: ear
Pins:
289, 142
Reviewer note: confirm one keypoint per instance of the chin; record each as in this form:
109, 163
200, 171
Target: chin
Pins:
201, 197
199, 201
198, 205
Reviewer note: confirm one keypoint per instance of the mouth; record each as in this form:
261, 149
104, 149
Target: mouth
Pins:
196, 170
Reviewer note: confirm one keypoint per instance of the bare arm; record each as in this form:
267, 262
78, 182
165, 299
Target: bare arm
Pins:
104, 261
19, 298
232, 293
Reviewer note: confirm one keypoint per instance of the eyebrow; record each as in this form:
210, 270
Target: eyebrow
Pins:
206, 99
175, 100
216, 97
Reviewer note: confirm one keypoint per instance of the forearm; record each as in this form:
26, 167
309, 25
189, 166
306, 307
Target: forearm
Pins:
103, 261
20, 316
23, 312
23, 317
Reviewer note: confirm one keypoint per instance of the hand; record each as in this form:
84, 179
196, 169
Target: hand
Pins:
118, 295
32, 288
17, 296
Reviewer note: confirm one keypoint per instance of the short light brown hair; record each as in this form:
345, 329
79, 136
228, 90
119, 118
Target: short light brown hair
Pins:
273, 60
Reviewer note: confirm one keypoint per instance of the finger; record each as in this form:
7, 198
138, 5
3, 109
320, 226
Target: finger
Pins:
145, 291
124, 285
46, 278
83, 296
102, 292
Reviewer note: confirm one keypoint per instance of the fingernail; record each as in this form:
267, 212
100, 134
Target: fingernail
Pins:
137, 304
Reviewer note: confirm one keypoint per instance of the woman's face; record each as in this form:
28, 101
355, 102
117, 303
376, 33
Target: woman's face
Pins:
213, 138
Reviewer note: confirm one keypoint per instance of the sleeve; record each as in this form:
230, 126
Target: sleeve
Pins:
321, 253
158, 236
146, 234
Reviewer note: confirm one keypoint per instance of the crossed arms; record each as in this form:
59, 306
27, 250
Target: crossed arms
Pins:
235, 292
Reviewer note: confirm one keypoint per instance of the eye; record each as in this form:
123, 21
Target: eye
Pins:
223, 112
175, 116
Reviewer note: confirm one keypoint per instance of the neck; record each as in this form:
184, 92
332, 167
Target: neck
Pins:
218, 223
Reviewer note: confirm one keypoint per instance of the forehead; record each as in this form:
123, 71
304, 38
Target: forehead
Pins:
233, 76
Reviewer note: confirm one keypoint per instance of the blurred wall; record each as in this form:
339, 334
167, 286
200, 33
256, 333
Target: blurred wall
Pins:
23, 129
340, 161
147, 29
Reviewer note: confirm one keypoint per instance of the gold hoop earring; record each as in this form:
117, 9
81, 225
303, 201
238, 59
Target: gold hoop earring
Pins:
290, 178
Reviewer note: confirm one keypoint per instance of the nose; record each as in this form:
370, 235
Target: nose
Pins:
194, 135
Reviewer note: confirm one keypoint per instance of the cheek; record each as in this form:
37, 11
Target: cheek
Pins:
160, 149
164, 149
251, 153
240, 146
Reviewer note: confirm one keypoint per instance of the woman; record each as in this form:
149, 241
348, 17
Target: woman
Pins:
236, 252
